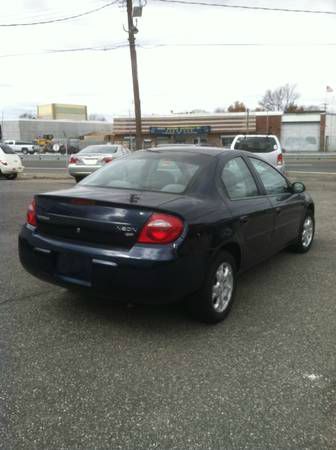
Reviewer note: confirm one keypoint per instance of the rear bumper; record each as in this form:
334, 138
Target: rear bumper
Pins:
81, 171
141, 274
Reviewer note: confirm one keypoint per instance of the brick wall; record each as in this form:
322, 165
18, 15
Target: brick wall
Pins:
269, 125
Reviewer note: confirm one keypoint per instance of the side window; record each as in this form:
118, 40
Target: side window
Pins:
272, 180
238, 179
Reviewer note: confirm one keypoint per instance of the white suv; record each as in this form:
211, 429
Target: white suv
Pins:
265, 146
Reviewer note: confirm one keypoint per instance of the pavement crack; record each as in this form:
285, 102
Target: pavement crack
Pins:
22, 298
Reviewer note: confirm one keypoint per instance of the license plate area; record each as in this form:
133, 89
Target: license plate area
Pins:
74, 267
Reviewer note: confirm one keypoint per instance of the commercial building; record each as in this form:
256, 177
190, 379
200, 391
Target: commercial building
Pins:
60, 111
213, 129
30, 129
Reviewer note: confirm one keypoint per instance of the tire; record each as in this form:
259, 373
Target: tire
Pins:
78, 179
11, 176
204, 305
306, 235
25, 151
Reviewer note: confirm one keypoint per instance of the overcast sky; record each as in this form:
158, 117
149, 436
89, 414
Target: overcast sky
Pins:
183, 75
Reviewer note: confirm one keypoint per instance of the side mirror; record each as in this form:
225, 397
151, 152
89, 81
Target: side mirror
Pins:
298, 187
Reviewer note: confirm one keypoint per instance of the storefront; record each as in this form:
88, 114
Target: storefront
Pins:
213, 129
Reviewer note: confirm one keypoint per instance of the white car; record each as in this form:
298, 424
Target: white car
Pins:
10, 162
263, 145
93, 157
24, 147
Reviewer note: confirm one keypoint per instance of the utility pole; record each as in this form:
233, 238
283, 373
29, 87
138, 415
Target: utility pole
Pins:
137, 107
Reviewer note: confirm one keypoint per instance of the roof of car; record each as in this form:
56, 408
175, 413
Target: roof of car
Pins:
202, 150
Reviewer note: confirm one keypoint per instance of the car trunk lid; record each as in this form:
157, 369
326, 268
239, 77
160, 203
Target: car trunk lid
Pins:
97, 216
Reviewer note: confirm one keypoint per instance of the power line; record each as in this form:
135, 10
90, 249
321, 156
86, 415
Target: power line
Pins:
68, 50
257, 8
239, 44
63, 19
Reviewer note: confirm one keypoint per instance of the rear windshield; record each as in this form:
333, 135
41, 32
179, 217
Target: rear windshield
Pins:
6, 149
256, 144
100, 149
149, 171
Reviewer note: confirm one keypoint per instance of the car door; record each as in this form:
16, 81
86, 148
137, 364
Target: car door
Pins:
288, 206
252, 211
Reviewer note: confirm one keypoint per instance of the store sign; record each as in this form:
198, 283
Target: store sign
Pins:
177, 131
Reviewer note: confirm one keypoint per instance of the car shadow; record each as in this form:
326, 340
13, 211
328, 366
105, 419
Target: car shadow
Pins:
166, 317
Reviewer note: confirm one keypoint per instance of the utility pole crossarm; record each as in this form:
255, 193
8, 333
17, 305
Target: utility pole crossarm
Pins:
137, 106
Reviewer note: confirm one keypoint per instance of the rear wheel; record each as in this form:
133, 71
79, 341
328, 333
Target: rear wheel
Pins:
11, 176
213, 302
78, 179
306, 235
25, 151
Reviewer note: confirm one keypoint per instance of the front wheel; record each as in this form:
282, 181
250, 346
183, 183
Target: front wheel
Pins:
306, 235
11, 176
213, 302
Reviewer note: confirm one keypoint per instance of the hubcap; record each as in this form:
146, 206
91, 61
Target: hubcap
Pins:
222, 287
307, 232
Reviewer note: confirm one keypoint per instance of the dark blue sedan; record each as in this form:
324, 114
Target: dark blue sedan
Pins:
166, 224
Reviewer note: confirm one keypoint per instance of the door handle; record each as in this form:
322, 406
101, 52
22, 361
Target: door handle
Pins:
278, 210
244, 219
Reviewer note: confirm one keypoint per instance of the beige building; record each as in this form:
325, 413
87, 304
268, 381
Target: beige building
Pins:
213, 129
60, 111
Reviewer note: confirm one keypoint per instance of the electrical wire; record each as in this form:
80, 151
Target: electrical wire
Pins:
239, 44
69, 50
62, 19
257, 8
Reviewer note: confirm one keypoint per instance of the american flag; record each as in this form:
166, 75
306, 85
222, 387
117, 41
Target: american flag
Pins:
329, 89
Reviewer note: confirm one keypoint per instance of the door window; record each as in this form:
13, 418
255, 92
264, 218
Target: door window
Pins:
238, 179
272, 180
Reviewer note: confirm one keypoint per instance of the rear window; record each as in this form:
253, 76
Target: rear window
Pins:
256, 144
6, 149
99, 149
150, 171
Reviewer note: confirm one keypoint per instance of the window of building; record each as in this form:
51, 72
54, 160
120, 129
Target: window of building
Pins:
227, 141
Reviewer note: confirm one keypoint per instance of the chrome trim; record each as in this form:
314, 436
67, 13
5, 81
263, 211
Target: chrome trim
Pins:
104, 262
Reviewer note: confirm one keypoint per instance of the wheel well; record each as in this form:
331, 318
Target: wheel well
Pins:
311, 208
235, 251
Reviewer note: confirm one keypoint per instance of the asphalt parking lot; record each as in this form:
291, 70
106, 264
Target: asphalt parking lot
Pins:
79, 373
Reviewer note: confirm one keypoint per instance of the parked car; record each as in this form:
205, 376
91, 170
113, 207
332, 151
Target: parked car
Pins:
265, 146
10, 162
94, 157
23, 147
165, 224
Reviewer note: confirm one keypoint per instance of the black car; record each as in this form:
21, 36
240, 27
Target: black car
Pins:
166, 224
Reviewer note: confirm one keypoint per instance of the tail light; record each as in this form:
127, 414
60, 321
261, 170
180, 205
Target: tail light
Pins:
107, 159
3, 162
161, 229
280, 159
31, 214
73, 160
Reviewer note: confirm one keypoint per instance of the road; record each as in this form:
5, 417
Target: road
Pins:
81, 373
58, 167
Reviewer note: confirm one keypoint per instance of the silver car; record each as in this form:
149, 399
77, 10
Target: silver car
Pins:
93, 157
265, 146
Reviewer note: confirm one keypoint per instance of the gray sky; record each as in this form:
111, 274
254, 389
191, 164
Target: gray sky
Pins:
172, 78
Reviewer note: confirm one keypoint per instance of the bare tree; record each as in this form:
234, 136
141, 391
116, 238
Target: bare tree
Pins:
280, 99
220, 110
237, 107
27, 115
